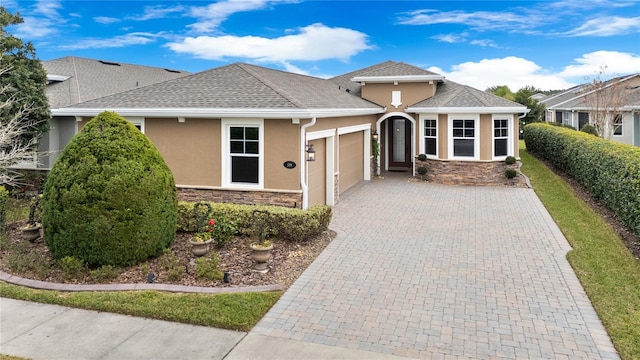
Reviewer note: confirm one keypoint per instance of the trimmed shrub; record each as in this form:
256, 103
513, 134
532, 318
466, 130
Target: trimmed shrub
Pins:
589, 129
284, 223
610, 171
422, 157
110, 198
510, 160
510, 173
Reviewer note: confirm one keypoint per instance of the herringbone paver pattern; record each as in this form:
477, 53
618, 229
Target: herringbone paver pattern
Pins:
430, 271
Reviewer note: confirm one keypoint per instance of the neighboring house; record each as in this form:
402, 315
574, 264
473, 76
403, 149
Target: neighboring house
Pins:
575, 107
71, 80
243, 133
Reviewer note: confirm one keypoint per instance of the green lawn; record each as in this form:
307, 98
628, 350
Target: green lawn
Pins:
605, 267
227, 311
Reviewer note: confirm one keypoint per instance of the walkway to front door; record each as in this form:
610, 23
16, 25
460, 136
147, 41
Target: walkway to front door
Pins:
432, 271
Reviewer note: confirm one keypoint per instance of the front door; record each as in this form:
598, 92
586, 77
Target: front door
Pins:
399, 143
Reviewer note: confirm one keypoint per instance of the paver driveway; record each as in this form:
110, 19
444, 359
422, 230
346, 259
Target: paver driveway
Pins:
432, 271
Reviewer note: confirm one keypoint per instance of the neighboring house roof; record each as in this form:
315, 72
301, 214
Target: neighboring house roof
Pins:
384, 69
74, 79
454, 97
576, 97
236, 90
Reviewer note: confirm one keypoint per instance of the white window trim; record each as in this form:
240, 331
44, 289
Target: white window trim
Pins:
226, 152
509, 119
137, 120
421, 147
476, 138
613, 130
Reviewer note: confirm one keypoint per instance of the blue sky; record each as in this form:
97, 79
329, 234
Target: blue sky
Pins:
547, 44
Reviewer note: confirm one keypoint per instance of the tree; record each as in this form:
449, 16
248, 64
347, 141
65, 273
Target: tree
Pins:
23, 82
604, 98
13, 146
523, 97
536, 109
502, 91
110, 198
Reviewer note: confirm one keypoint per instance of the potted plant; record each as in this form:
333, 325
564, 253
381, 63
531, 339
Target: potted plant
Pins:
201, 240
31, 231
261, 247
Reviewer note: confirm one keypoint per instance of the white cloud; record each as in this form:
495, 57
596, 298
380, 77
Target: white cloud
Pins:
34, 28
517, 72
588, 66
43, 21
540, 18
106, 20
607, 26
512, 71
211, 16
158, 12
478, 20
484, 43
137, 38
450, 38
311, 43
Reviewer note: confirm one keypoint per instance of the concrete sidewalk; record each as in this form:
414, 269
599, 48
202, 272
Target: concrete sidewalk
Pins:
40, 331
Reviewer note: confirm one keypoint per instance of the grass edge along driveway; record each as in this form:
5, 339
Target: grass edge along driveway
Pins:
239, 311
607, 270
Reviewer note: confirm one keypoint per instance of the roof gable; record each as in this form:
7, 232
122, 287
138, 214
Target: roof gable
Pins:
387, 68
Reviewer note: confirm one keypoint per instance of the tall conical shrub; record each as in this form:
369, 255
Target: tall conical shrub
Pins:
110, 198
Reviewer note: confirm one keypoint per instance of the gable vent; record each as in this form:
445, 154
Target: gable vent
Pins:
109, 63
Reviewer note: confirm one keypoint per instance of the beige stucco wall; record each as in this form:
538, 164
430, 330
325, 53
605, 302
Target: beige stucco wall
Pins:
411, 93
192, 149
443, 137
338, 122
485, 136
281, 144
317, 174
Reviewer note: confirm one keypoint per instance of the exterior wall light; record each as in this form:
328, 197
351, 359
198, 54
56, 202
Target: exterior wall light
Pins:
374, 135
311, 153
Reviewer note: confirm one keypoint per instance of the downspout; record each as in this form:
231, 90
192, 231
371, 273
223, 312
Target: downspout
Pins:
303, 163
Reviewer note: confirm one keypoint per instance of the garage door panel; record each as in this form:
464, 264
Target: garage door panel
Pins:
351, 160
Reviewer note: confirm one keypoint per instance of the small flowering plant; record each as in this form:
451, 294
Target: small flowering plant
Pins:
206, 233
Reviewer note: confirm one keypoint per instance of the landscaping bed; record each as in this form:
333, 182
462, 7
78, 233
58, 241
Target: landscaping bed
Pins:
177, 265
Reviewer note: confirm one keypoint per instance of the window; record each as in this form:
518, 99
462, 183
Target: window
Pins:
464, 138
242, 156
430, 137
617, 125
137, 121
500, 137
583, 119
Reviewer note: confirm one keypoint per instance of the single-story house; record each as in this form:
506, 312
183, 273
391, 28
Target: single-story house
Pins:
576, 106
246, 134
71, 80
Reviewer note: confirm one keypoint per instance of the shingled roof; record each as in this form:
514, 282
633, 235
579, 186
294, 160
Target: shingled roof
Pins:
236, 86
387, 68
451, 95
75, 79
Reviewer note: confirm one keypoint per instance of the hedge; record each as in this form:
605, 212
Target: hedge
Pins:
283, 223
610, 171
